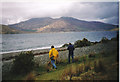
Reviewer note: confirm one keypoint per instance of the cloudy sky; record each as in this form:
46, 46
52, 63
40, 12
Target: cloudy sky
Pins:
14, 12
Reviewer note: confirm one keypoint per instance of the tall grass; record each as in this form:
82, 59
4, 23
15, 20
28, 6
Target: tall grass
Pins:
87, 66
72, 71
99, 66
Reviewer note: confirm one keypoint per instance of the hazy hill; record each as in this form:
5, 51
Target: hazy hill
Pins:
4, 29
63, 24
32, 24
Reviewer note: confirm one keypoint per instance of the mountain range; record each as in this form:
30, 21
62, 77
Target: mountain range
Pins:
63, 24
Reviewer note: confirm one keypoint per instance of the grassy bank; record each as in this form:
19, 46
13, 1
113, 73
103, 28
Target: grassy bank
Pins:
102, 66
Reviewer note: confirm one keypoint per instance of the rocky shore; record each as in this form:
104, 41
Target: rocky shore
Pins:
98, 48
12, 55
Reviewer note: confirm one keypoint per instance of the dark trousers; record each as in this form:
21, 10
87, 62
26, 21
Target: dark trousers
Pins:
69, 58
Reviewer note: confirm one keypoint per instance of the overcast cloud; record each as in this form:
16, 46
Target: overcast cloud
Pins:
14, 12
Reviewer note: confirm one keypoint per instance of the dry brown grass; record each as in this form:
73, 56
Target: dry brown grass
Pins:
68, 73
72, 71
30, 77
88, 76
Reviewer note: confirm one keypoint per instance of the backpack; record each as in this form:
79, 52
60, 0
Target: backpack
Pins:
52, 58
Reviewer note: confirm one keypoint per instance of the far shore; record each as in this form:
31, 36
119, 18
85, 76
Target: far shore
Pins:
62, 32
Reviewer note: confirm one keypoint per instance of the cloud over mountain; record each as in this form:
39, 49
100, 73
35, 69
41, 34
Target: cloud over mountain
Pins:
14, 12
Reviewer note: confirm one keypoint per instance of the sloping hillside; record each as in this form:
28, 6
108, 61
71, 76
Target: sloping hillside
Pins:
63, 24
4, 29
32, 24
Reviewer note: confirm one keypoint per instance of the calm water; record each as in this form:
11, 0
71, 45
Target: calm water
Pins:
18, 42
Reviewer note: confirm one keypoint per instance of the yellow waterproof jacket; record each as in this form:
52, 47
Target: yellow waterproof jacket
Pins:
53, 52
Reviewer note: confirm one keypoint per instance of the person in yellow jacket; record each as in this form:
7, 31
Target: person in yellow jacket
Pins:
53, 54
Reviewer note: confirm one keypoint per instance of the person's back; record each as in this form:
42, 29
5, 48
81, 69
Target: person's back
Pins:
53, 54
71, 49
71, 52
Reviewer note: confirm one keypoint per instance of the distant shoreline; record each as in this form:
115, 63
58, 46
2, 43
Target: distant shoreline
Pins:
62, 32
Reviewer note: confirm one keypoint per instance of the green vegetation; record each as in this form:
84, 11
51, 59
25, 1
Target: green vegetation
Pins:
23, 64
82, 43
65, 45
104, 40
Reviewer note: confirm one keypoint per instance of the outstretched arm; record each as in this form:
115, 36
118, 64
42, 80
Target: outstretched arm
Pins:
68, 48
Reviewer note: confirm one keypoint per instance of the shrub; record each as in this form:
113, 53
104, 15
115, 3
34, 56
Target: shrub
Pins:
95, 42
65, 45
86, 42
82, 43
104, 40
23, 63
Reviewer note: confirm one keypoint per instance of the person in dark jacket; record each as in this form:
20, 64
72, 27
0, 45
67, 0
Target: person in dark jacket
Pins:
71, 52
